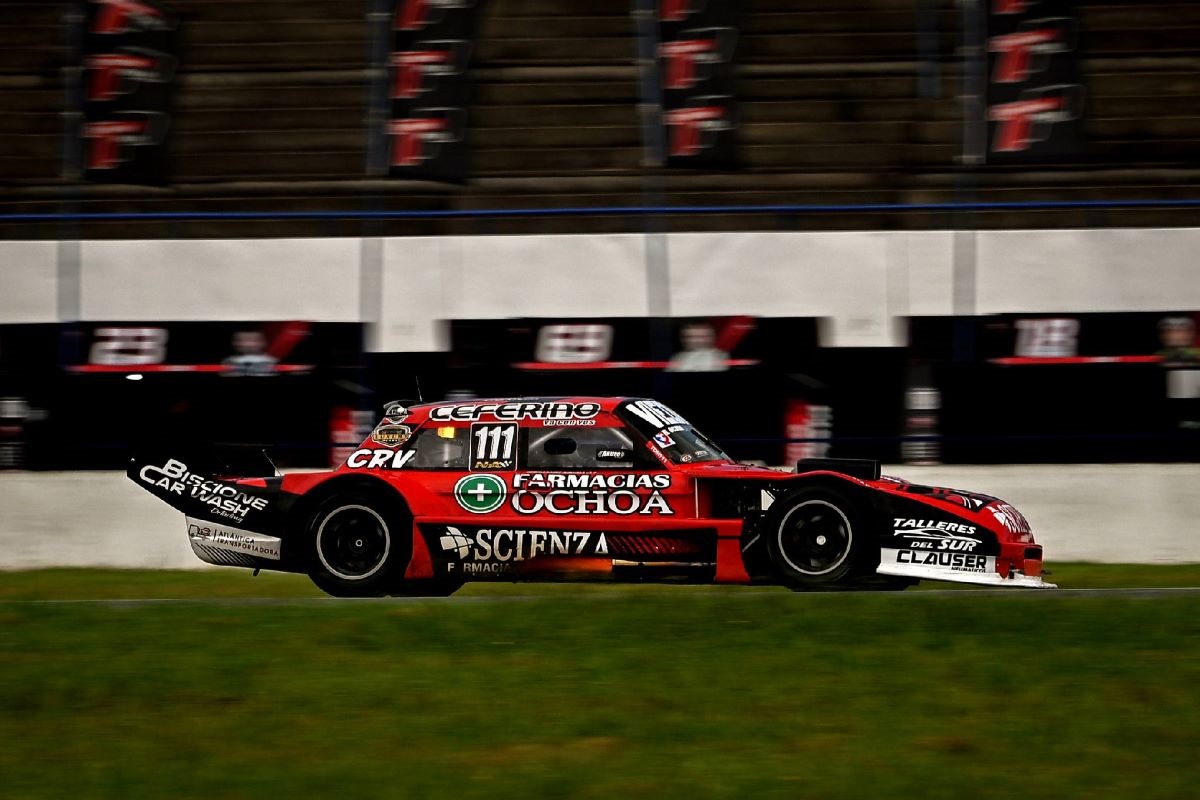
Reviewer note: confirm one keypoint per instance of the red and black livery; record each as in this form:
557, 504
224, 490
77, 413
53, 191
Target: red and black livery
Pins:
582, 488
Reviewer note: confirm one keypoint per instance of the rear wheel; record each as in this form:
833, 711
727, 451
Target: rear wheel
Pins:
817, 539
359, 544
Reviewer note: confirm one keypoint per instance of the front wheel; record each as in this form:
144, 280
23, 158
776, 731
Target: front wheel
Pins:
358, 545
817, 539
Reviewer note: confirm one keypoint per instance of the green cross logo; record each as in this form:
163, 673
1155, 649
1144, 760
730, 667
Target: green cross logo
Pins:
480, 494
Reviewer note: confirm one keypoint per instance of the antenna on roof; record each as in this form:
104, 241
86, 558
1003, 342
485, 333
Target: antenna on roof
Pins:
417, 381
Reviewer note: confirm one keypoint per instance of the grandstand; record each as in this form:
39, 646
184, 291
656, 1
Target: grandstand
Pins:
848, 102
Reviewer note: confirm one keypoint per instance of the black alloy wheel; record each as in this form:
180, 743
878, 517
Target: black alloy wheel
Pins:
816, 538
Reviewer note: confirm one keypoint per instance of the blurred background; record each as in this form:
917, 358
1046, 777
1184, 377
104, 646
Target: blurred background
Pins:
952, 235
924, 231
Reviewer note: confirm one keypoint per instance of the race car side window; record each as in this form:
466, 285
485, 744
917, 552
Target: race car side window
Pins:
440, 448
582, 448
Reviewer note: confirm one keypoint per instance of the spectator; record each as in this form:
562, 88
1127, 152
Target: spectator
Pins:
699, 353
250, 355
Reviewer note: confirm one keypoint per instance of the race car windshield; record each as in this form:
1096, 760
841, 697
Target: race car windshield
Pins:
673, 435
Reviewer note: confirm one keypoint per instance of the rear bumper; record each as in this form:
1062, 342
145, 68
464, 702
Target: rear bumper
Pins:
215, 543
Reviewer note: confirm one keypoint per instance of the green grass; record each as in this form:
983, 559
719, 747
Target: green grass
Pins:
585, 692
82, 584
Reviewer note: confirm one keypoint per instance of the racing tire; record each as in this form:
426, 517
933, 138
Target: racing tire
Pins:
359, 544
818, 539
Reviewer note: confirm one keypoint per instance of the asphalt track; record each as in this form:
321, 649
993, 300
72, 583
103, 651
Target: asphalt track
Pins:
733, 596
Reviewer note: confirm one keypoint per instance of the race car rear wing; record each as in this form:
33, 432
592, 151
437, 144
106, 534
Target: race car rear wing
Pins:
212, 485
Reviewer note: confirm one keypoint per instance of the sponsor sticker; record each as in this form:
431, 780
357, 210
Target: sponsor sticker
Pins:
491, 551
658, 454
392, 435
223, 499
663, 439
395, 413
566, 501
658, 415
954, 562
1012, 520
379, 459
590, 493
548, 412
480, 494
591, 480
222, 537
927, 534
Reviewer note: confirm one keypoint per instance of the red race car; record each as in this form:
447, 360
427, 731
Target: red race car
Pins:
582, 488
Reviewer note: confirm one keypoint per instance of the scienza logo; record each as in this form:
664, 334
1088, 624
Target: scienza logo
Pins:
455, 541
480, 494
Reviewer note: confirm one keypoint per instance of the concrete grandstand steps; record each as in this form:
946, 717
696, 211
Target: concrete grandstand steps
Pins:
1132, 151
804, 110
485, 139
248, 164
804, 134
271, 103
564, 51
491, 93
45, 59
848, 7
32, 37
1158, 128
196, 100
285, 120
1165, 41
224, 11
36, 35
272, 34
557, 26
38, 167
275, 55
553, 115
791, 19
839, 157
1117, 179
543, 8
1128, 14
32, 145
771, 24
750, 87
1146, 108
24, 13
802, 48
297, 32
36, 123
187, 142
556, 161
